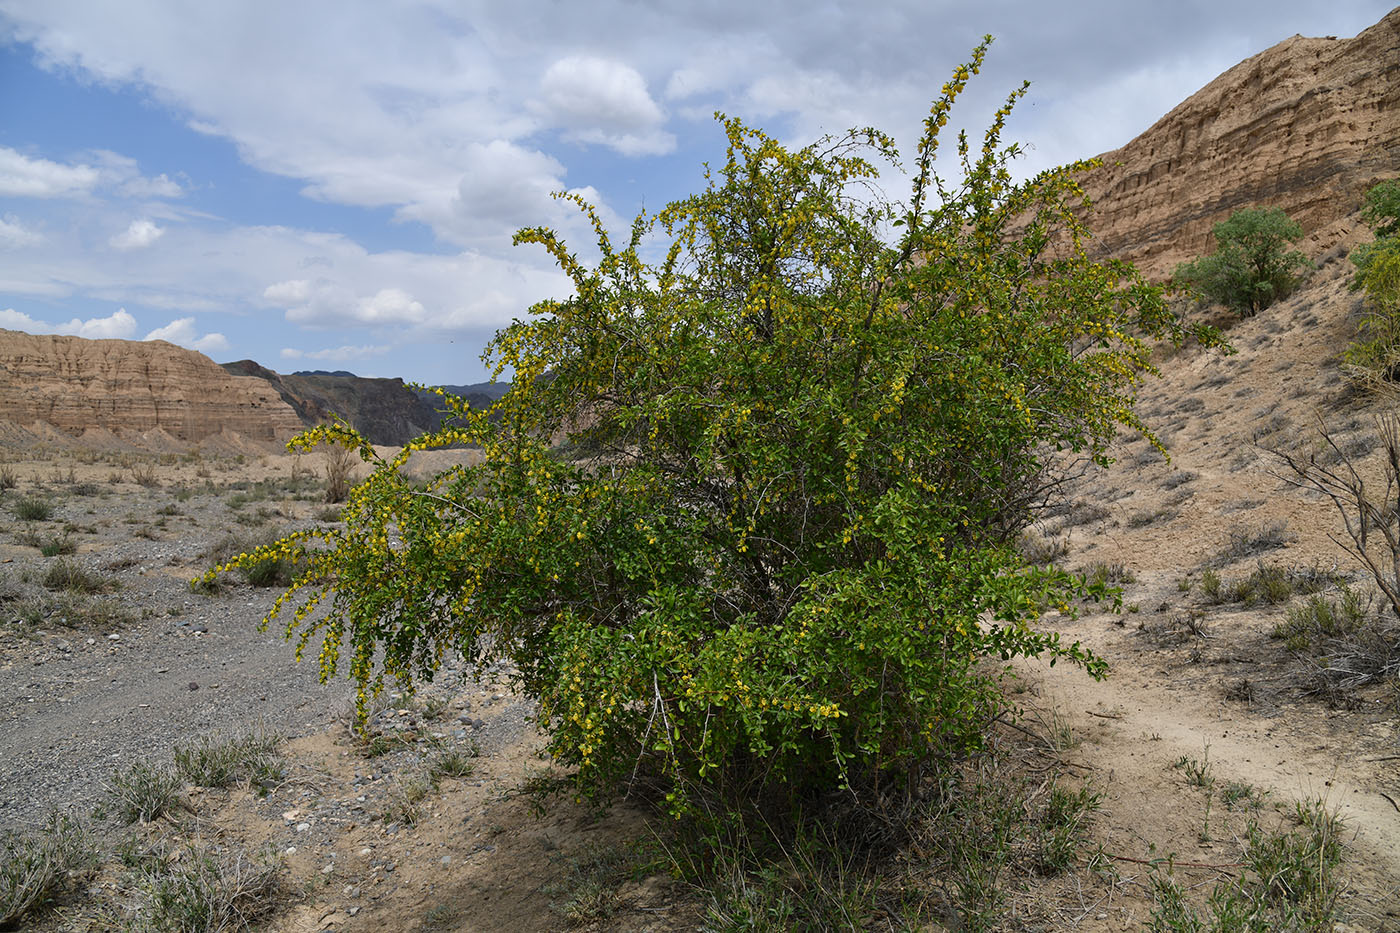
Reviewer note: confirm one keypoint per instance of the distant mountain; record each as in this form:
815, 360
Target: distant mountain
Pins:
386, 411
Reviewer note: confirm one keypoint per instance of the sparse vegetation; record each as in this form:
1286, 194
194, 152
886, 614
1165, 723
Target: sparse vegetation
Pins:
1102, 573
1374, 357
1179, 478
218, 761
405, 803
340, 461
1248, 540
143, 792
456, 762
588, 893
195, 888
1252, 266
33, 509
1291, 882
64, 574
37, 866
145, 474
260, 564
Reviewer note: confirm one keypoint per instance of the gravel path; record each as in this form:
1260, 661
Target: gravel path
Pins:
80, 700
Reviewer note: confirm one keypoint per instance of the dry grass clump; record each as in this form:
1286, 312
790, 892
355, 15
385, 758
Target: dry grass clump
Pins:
197, 888
36, 866
1291, 880
1346, 640
340, 461
143, 792
219, 761
33, 509
145, 474
271, 571
1249, 540
64, 574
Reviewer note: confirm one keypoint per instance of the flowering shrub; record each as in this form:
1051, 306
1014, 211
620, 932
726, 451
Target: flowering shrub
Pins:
747, 521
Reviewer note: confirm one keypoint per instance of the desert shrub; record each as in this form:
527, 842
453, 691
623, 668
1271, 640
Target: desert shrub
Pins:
1322, 617
69, 575
1251, 267
145, 474
76, 610
1248, 540
9, 479
58, 545
1373, 357
786, 541
1103, 572
258, 562
1179, 478
1291, 880
33, 509
339, 463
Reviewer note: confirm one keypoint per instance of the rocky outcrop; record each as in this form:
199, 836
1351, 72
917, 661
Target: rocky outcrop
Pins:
385, 411
1307, 125
132, 388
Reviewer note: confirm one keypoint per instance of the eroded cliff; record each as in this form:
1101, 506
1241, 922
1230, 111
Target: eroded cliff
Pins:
1307, 125
133, 387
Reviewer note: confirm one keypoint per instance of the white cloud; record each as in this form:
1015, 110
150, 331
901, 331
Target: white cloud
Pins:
460, 116
14, 235
160, 186
331, 304
21, 176
336, 354
141, 234
605, 102
181, 332
293, 291
119, 325
390, 306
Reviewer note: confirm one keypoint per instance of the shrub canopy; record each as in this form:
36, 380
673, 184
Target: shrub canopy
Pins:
1374, 357
1252, 266
746, 523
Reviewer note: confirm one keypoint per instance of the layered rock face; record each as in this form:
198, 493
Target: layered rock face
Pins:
385, 411
1307, 125
131, 387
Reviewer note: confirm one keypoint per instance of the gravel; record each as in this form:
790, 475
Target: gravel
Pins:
83, 695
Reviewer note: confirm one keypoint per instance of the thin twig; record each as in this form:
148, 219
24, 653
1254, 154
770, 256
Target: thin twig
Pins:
1153, 862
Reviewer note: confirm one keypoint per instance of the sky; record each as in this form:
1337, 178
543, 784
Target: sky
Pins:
334, 185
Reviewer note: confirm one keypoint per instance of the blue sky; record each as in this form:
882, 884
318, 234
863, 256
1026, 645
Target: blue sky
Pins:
333, 185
